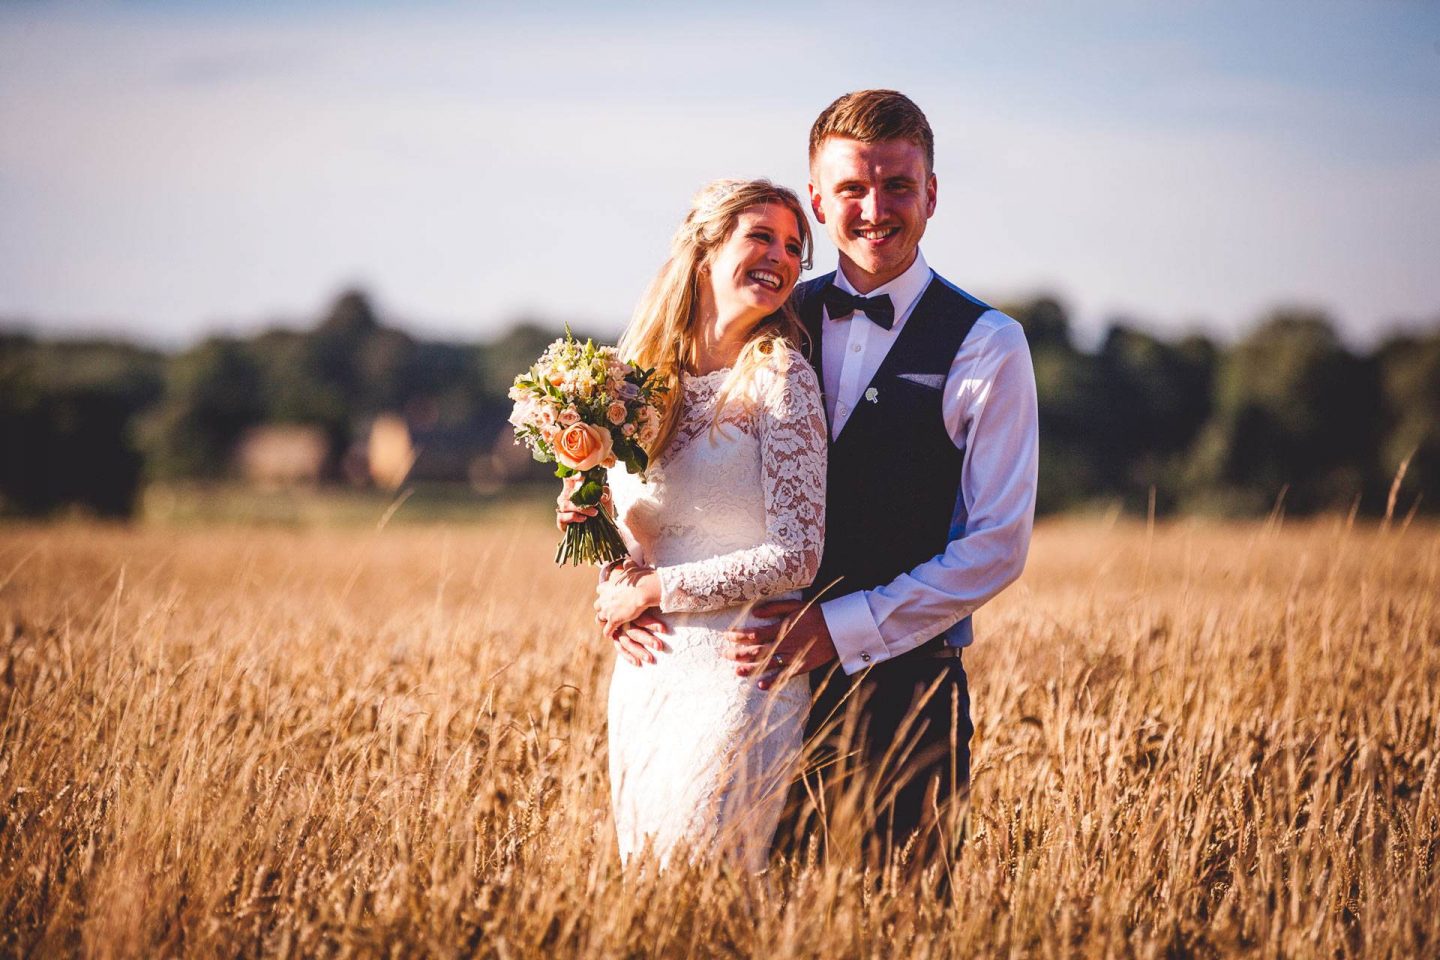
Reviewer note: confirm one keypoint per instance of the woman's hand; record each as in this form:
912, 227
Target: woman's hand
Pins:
566, 510
627, 593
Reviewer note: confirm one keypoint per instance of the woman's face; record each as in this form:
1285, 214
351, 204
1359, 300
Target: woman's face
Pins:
752, 273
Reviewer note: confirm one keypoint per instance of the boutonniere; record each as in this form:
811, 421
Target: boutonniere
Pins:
872, 395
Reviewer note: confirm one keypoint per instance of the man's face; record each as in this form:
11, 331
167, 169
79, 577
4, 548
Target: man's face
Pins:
874, 200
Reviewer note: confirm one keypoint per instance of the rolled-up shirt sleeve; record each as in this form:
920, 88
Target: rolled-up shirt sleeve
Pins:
990, 412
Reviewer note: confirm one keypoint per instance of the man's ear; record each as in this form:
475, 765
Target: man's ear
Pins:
930, 190
815, 203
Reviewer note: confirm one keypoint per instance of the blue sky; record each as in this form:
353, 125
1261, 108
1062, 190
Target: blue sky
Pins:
169, 169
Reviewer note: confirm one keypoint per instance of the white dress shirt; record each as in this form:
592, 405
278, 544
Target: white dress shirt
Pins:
989, 410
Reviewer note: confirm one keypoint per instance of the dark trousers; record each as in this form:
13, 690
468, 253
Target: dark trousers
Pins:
888, 753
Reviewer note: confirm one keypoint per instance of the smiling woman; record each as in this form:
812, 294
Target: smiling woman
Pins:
753, 271
700, 757
720, 298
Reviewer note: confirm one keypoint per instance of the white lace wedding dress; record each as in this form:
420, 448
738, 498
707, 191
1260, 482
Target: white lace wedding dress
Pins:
700, 759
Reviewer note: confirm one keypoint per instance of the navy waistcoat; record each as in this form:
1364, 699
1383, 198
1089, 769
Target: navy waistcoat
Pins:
893, 484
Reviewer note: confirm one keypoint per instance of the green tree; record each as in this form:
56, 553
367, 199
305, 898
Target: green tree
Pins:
1045, 321
1410, 379
1075, 446
1157, 399
66, 412
212, 395
1295, 413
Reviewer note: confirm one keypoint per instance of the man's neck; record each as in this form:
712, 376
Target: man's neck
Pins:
864, 282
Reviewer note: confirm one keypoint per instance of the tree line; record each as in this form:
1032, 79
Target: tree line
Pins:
1286, 415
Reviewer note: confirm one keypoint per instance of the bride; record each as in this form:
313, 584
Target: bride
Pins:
730, 512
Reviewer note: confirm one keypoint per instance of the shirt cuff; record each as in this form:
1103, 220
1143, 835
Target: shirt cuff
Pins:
853, 631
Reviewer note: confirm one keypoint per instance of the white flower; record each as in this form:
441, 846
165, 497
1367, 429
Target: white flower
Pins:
872, 395
524, 414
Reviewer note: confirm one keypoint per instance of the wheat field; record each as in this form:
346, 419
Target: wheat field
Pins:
1192, 739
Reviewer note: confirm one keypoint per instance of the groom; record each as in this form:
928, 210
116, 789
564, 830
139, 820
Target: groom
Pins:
930, 397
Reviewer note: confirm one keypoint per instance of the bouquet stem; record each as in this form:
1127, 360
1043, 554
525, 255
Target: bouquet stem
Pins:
597, 540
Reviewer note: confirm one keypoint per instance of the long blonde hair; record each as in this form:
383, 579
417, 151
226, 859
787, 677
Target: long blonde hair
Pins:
662, 332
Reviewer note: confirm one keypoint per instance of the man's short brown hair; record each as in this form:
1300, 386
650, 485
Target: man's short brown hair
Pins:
871, 116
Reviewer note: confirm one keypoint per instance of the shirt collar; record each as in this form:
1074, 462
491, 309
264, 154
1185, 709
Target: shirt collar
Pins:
903, 291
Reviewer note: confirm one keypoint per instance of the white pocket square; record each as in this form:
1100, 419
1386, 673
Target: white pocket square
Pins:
932, 380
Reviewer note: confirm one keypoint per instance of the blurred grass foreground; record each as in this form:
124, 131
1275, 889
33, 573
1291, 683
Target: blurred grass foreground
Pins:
1192, 739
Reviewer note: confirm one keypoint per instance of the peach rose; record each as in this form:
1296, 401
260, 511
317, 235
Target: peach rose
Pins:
649, 426
581, 446
615, 413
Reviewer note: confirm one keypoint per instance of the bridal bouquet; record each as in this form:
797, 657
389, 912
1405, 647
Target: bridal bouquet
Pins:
582, 407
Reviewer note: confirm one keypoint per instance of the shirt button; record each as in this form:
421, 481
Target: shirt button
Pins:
865, 657
856, 348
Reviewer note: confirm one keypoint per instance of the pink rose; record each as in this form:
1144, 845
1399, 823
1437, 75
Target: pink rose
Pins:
616, 413
581, 446
568, 416
649, 426
628, 429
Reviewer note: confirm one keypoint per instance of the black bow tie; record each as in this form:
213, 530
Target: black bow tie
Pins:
841, 304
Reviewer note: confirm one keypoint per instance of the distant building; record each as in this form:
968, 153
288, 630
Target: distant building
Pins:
283, 455
389, 452
484, 456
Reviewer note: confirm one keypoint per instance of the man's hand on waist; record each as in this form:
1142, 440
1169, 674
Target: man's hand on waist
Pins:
797, 643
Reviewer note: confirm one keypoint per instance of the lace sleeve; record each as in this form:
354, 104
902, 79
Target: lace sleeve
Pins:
792, 434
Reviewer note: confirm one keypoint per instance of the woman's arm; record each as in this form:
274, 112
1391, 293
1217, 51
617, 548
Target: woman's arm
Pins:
792, 434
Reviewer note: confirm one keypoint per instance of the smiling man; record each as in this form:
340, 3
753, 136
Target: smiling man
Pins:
930, 396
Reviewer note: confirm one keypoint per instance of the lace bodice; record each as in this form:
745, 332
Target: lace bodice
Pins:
733, 512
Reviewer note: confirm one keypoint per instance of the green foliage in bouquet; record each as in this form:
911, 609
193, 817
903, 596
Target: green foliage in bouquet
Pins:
583, 408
